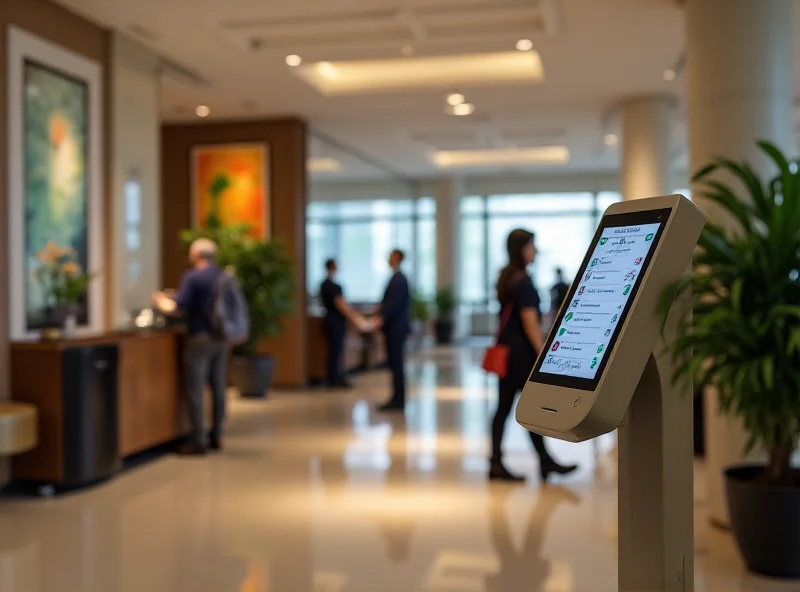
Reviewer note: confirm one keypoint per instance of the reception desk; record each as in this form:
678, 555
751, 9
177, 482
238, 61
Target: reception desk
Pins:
100, 399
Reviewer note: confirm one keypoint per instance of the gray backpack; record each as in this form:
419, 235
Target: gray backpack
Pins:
230, 319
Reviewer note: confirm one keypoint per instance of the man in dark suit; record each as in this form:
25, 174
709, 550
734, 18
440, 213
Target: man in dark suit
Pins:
337, 313
394, 318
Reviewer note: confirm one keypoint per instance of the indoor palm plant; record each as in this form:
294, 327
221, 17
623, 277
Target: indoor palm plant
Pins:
266, 277
745, 342
445, 304
420, 314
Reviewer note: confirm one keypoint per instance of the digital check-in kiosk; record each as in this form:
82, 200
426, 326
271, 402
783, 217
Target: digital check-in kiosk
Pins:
602, 368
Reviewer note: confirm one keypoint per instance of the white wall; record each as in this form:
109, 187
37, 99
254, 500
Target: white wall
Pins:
136, 146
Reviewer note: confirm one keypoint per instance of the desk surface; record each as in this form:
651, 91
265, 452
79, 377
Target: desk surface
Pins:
92, 339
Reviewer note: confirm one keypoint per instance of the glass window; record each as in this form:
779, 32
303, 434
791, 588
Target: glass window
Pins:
606, 199
472, 260
426, 257
472, 204
426, 206
320, 246
540, 202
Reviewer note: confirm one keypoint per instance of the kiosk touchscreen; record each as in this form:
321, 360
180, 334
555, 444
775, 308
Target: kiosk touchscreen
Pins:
582, 383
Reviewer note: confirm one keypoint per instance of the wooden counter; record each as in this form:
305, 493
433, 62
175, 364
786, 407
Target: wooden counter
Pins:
148, 402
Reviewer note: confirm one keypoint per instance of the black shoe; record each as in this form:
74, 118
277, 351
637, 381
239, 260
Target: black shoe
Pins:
550, 466
392, 407
498, 472
191, 449
214, 444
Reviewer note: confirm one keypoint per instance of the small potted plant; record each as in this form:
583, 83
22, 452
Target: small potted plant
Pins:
445, 303
266, 277
744, 339
420, 314
64, 284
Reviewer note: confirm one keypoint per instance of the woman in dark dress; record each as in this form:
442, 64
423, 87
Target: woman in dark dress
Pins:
523, 335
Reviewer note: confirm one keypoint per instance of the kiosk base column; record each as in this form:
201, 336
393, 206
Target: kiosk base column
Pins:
656, 497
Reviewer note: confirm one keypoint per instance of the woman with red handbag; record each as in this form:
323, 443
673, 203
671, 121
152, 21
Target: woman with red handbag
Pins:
519, 341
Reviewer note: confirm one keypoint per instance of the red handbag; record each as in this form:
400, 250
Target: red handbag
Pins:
495, 359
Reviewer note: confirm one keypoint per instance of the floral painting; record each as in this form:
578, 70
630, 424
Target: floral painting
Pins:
231, 185
55, 132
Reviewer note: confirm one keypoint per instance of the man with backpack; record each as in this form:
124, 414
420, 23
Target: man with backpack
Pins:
216, 318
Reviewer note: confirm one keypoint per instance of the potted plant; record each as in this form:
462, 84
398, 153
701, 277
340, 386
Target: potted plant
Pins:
64, 284
420, 314
266, 277
445, 303
744, 337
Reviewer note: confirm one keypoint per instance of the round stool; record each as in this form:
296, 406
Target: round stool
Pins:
19, 428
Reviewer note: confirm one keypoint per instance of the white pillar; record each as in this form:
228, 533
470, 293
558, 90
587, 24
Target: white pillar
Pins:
740, 87
448, 197
646, 147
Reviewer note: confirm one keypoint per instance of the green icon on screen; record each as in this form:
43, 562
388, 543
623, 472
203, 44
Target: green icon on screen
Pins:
627, 290
603, 241
595, 262
568, 318
594, 363
561, 332
601, 348
649, 237
614, 318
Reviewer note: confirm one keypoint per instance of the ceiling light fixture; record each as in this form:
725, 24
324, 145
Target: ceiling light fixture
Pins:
542, 155
463, 109
328, 70
407, 50
669, 75
202, 111
524, 45
323, 165
293, 60
610, 140
454, 99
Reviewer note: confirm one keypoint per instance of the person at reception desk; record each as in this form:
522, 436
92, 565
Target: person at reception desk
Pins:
205, 357
394, 318
337, 313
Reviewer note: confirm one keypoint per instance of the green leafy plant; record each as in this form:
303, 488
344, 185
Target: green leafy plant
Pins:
420, 308
445, 302
63, 281
744, 334
266, 277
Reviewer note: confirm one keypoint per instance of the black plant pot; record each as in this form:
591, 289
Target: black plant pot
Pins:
765, 520
253, 375
444, 331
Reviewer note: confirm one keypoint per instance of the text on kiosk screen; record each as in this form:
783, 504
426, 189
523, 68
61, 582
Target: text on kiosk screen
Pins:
582, 339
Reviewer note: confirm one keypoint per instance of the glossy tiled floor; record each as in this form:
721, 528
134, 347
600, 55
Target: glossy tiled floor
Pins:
316, 492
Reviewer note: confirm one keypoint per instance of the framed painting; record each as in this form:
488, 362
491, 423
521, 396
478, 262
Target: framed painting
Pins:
231, 182
55, 174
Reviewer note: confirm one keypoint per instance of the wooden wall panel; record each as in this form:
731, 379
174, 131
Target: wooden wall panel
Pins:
64, 28
287, 151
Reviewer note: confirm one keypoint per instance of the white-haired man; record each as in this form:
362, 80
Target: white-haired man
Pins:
205, 358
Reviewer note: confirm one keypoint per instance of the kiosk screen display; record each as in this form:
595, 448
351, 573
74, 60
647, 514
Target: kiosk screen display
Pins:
599, 300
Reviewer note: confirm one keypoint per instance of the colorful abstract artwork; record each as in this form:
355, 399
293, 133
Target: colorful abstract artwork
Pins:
55, 185
231, 183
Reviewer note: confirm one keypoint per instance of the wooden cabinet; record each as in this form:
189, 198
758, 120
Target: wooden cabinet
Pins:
149, 401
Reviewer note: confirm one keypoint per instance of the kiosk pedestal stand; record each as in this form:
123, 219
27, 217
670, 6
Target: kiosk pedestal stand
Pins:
656, 497
597, 372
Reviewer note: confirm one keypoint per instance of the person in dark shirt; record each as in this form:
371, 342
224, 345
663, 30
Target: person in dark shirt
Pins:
337, 313
205, 357
522, 333
558, 293
394, 318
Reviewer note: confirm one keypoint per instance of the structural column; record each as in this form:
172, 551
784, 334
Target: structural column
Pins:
646, 147
448, 197
740, 87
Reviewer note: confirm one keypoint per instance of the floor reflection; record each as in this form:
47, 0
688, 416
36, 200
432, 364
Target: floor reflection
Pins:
317, 493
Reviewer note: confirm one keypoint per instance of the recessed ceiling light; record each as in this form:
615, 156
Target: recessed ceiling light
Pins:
323, 165
202, 111
669, 75
463, 109
454, 99
328, 70
524, 45
293, 60
407, 50
610, 140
